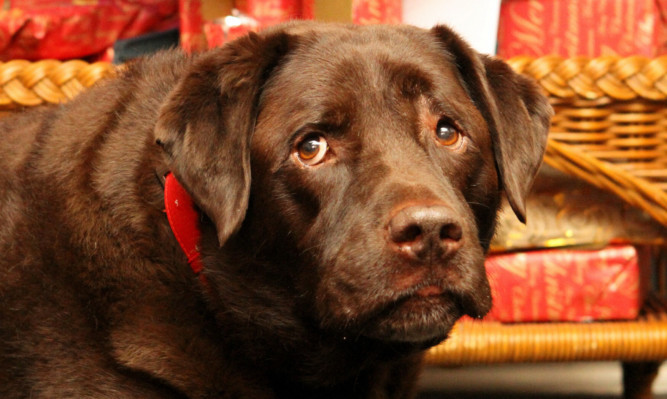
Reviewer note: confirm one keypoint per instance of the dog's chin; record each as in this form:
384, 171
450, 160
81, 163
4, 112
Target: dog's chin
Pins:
424, 320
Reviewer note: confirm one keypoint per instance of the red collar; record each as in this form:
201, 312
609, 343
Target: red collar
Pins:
183, 219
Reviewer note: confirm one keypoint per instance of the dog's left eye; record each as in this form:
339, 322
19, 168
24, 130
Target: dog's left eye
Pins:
312, 150
446, 133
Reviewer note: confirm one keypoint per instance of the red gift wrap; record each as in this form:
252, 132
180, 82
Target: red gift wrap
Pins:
582, 27
271, 12
204, 23
201, 28
366, 12
565, 285
65, 29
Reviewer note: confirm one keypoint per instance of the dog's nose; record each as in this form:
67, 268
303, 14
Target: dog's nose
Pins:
425, 232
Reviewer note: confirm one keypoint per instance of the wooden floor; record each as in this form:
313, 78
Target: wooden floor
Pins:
535, 381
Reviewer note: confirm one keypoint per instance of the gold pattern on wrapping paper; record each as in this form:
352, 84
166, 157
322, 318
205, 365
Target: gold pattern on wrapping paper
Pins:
582, 27
517, 266
554, 271
519, 300
368, 12
528, 30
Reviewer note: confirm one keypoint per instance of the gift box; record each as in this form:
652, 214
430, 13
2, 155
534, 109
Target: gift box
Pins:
582, 27
367, 12
271, 12
194, 14
64, 29
565, 285
211, 23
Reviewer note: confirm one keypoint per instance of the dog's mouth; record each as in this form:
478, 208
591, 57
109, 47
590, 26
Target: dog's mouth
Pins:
425, 314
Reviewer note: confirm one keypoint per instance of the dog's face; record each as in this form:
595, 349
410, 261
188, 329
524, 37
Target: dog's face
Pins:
367, 163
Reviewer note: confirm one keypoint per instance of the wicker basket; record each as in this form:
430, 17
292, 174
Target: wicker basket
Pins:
610, 127
25, 83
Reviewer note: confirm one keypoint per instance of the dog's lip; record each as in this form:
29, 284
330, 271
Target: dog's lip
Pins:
429, 293
430, 290
431, 309
438, 291
425, 288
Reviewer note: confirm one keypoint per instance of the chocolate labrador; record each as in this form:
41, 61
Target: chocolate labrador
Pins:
330, 193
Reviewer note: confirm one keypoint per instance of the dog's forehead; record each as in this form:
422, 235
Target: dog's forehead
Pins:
352, 68
363, 57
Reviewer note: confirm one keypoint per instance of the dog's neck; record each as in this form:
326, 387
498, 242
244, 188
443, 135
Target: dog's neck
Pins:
184, 220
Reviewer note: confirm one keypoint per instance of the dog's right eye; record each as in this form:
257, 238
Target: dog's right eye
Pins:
311, 150
447, 134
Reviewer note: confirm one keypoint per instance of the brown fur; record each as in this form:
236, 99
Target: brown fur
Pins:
311, 292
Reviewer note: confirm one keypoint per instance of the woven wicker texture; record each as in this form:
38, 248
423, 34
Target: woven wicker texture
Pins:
610, 127
24, 83
490, 342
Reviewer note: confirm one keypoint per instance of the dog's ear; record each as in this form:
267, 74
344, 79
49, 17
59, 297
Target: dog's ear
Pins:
206, 122
516, 112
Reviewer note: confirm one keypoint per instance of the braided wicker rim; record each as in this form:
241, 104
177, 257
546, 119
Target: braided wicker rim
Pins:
22, 82
628, 78
25, 83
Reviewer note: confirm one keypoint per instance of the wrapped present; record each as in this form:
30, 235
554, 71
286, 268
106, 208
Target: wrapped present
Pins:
211, 23
64, 29
366, 12
221, 30
563, 212
565, 285
271, 12
191, 25
582, 27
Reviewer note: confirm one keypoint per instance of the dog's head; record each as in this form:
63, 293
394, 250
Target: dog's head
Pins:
361, 167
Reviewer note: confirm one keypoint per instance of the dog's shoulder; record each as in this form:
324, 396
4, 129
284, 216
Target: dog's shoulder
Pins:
65, 168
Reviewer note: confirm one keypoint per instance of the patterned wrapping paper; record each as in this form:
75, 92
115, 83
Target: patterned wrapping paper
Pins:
74, 29
366, 12
192, 35
199, 32
271, 12
582, 27
565, 285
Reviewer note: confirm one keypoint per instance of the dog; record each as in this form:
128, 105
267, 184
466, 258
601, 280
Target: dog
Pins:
334, 187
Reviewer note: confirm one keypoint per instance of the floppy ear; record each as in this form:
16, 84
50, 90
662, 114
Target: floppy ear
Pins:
516, 112
205, 125
521, 132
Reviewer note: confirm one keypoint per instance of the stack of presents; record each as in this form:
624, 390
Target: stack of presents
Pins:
584, 255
